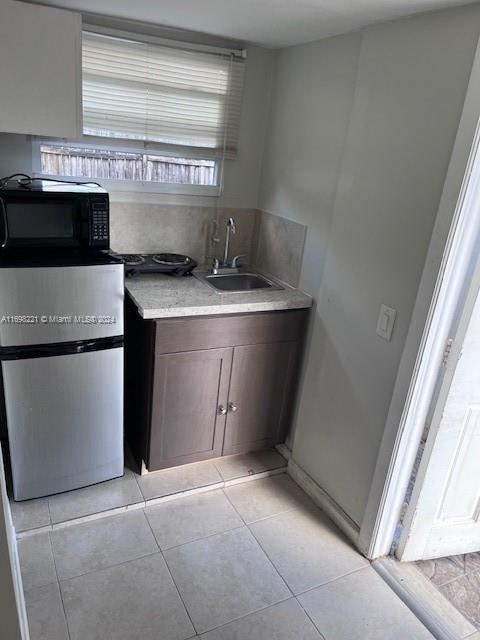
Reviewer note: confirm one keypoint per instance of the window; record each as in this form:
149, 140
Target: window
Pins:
152, 112
62, 160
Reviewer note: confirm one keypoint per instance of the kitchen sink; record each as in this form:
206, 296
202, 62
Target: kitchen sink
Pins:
238, 282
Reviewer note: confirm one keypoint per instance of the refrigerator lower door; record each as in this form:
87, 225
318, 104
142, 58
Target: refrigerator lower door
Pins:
64, 421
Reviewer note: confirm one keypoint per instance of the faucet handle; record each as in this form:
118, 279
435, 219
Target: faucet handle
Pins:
235, 260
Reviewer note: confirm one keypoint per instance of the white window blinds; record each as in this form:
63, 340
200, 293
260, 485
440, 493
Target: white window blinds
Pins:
140, 91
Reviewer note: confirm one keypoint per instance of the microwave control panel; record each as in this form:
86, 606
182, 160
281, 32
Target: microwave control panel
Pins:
100, 222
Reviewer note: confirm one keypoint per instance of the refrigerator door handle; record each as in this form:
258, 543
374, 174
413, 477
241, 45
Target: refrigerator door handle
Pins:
59, 349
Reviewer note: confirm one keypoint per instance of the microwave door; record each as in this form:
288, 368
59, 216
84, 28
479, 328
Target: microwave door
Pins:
32, 222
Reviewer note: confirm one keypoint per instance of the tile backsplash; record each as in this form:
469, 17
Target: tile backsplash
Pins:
151, 228
272, 243
279, 246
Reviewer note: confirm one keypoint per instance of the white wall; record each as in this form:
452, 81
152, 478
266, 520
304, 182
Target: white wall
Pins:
311, 104
369, 197
12, 605
15, 154
242, 175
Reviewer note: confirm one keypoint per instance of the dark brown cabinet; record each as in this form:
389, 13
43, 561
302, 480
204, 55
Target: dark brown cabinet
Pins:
259, 397
188, 388
206, 387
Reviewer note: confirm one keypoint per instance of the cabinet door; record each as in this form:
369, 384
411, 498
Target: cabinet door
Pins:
40, 70
261, 396
188, 389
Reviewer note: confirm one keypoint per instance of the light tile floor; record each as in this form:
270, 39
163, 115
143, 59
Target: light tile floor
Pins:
458, 579
252, 562
135, 491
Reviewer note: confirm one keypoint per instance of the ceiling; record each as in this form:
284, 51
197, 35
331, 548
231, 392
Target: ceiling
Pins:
270, 23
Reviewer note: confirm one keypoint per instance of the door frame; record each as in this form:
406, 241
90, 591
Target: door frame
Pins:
412, 547
447, 273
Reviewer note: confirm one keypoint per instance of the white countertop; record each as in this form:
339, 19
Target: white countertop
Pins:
164, 296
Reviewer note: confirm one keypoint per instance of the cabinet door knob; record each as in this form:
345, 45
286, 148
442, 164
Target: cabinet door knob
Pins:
222, 410
233, 407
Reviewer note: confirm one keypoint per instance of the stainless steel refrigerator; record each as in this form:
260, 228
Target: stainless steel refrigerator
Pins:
61, 352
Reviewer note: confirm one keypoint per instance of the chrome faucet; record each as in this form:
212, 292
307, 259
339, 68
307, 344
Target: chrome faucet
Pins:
230, 228
226, 265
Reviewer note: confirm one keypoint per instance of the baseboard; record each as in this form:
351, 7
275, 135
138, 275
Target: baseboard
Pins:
284, 451
424, 600
324, 501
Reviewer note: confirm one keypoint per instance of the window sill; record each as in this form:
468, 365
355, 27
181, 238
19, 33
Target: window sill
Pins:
138, 186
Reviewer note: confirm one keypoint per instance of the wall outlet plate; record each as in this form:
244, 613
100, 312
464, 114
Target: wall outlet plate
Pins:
386, 321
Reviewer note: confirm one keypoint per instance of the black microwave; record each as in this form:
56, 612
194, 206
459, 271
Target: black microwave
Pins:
41, 214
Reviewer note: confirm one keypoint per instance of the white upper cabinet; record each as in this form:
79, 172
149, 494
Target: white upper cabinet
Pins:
40, 70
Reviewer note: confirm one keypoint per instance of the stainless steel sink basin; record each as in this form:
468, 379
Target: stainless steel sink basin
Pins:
238, 282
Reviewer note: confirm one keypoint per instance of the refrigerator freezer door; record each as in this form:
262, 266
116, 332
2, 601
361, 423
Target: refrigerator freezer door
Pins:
40, 305
65, 421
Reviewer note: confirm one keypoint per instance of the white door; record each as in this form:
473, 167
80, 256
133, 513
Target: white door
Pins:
443, 517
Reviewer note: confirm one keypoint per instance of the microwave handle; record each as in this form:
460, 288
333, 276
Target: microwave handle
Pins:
5, 224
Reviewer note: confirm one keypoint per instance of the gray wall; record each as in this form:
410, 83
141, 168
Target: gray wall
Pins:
361, 133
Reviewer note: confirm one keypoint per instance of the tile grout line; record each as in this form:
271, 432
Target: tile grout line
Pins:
91, 517
138, 484
49, 514
250, 613
170, 497
111, 566
28, 533
268, 606
210, 535
99, 515
463, 575
218, 470
151, 530
309, 617
275, 515
324, 584
234, 508
473, 622
259, 519
172, 578
271, 561
58, 584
